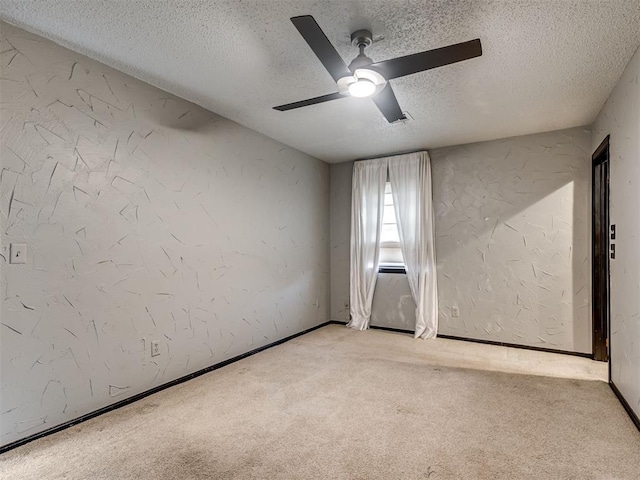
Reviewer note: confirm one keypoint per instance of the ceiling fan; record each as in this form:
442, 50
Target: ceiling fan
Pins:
366, 78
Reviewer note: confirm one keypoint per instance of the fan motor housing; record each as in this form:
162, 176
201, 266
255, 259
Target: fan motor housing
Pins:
362, 37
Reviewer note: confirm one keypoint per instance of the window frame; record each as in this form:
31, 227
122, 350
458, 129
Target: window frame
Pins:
390, 269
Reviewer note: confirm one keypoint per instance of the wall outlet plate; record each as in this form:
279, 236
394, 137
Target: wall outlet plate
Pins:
455, 312
18, 253
155, 348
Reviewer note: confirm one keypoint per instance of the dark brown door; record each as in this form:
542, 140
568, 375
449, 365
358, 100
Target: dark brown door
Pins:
601, 250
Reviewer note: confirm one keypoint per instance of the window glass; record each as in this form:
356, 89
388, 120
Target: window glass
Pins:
390, 251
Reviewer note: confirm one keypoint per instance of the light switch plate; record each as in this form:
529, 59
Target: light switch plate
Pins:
18, 253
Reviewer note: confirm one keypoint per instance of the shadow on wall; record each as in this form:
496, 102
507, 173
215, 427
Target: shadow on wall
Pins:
513, 239
102, 91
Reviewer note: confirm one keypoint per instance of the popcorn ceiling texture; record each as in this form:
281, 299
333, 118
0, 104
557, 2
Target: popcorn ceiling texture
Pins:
620, 118
512, 243
546, 64
146, 218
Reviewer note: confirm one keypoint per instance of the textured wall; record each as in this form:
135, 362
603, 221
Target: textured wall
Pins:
146, 218
340, 201
512, 243
620, 118
513, 239
393, 305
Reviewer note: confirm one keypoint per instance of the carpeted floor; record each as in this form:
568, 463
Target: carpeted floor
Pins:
340, 404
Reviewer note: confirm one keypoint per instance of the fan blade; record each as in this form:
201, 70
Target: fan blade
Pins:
419, 62
321, 46
388, 104
310, 101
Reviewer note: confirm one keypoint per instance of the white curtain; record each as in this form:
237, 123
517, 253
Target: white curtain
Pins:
367, 206
410, 177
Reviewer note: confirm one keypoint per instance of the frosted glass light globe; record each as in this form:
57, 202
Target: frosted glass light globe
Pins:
362, 88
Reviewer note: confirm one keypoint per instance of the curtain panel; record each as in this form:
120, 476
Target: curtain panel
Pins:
367, 206
410, 177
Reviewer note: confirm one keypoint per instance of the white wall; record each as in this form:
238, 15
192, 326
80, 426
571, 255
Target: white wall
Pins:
146, 218
512, 243
340, 201
620, 118
513, 239
393, 306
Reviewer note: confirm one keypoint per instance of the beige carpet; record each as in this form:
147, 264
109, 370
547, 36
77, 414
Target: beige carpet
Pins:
342, 404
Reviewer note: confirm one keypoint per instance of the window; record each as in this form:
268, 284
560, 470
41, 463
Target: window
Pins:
391, 260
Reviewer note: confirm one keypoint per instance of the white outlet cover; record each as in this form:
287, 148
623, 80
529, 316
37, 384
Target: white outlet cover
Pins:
18, 253
455, 312
155, 348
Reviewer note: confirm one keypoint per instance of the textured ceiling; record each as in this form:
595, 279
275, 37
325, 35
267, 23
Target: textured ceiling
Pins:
546, 64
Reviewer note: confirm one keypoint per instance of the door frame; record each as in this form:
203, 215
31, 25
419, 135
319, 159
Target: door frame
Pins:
601, 301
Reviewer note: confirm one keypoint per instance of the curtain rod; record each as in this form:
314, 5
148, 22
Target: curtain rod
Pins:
392, 154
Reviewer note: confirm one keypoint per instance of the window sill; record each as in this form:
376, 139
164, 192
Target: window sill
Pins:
391, 269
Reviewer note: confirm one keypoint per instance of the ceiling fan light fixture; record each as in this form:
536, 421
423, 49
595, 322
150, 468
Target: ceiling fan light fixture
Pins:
371, 75
363, 83
363, 77
362, 88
